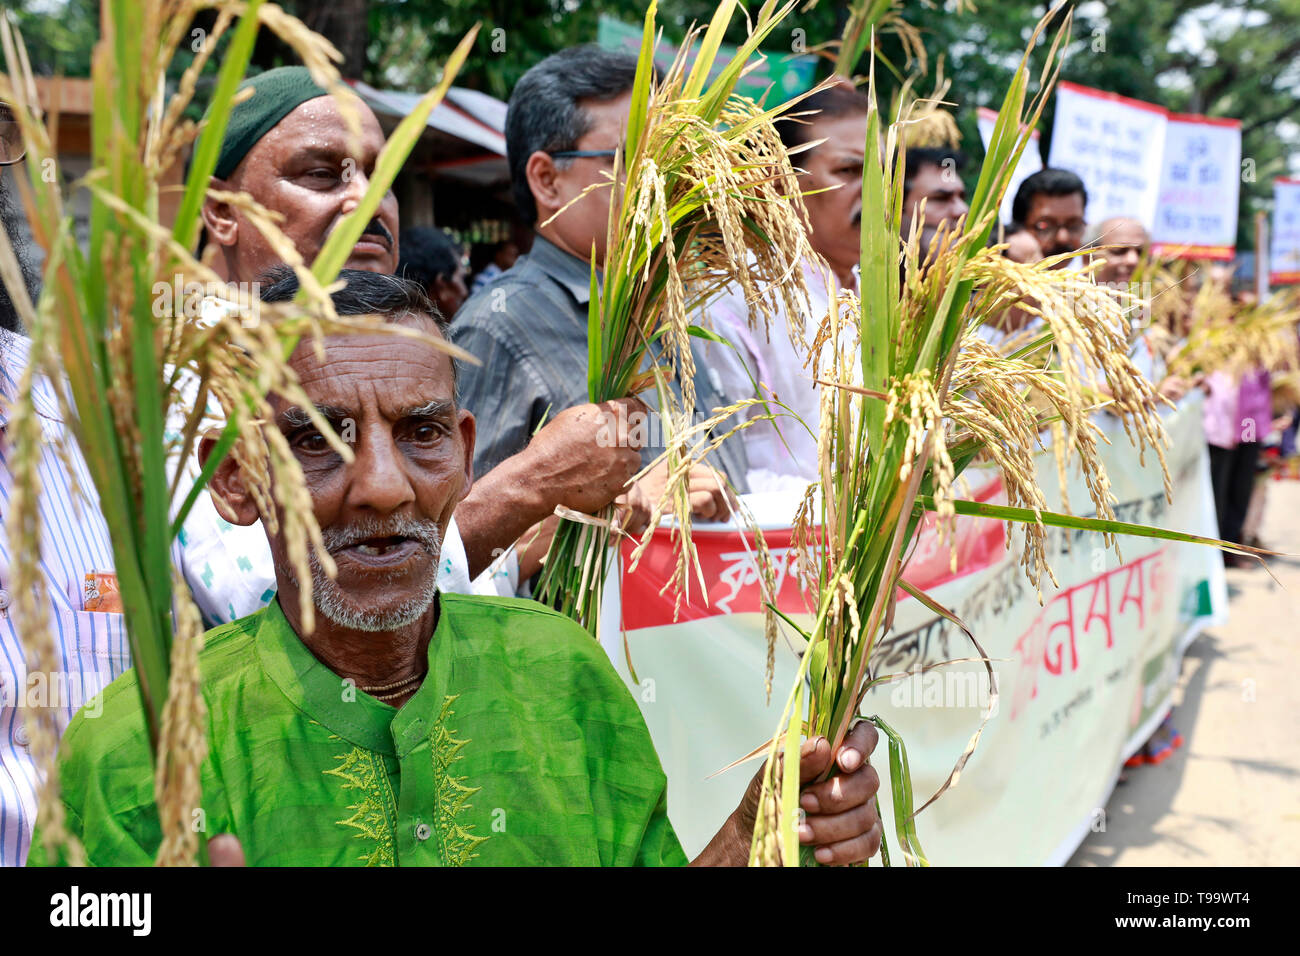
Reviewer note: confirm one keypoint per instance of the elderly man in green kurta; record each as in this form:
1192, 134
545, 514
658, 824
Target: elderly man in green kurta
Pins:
410, 727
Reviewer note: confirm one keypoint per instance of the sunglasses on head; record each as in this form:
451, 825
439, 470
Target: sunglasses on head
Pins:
12, 148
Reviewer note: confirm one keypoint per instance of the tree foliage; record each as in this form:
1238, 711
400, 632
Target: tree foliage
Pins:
1233, 58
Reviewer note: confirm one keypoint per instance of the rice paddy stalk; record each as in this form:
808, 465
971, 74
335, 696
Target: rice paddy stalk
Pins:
704, 197
923, 397
1236, 338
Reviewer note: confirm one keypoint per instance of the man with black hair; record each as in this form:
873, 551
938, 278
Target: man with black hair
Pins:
782, 455
566, 118
1052, 204
931, 176
433, 259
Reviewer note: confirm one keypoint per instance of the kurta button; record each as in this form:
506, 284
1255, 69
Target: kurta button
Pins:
4, 599
423, 832
20, 735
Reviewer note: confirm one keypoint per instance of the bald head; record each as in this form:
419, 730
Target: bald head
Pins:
1127, 242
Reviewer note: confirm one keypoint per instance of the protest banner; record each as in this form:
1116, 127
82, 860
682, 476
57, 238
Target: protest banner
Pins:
1031, 160
1116, 146
1196, 212
1084, 677
1284, 251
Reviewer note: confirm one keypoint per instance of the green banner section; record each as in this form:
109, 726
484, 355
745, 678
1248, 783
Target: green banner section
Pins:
786, 74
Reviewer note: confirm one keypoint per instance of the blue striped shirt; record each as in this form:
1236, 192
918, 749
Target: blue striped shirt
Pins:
92, 645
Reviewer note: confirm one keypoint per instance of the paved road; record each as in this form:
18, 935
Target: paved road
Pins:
1231, 795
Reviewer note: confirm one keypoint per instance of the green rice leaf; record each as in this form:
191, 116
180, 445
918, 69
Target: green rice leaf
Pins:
708, 51
981, 509
644, 78
224, 443
187, 224
900, 781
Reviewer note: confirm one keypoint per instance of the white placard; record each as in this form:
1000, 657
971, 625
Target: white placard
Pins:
1115, 145
1196, 213
1284, 252
1031, 160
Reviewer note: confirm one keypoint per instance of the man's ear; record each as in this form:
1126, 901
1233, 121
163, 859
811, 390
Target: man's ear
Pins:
437, 287
229, 493
219, 217
541, 174
468, 433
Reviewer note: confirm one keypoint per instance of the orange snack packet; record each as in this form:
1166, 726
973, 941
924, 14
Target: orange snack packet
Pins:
102, 593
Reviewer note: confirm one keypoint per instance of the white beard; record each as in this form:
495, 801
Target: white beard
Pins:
330, 600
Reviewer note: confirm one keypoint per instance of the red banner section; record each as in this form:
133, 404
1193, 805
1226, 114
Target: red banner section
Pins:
730, 568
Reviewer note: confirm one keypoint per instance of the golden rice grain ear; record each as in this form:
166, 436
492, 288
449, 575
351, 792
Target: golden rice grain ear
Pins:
182, 741
1235, 339
94, 332
766, 845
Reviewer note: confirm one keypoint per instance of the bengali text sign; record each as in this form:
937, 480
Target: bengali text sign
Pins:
1196, 213
1115, 145
1284, 251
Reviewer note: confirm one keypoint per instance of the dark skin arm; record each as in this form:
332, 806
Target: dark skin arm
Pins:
581, 459
840, 815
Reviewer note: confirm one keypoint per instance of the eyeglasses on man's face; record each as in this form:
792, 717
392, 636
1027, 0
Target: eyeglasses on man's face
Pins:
11, 138
1047, 228
584, 154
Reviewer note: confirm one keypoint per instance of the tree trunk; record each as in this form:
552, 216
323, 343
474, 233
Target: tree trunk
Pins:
345, 23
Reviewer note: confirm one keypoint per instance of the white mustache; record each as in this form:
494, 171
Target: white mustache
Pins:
425, 532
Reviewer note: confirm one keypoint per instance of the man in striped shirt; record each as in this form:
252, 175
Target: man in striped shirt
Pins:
75, 556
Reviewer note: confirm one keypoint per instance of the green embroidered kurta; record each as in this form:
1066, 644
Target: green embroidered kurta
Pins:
522, 747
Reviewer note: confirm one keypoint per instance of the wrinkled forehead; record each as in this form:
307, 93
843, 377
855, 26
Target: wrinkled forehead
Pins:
317, 127
374, 370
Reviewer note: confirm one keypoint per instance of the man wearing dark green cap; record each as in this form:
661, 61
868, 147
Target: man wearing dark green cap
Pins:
287, 146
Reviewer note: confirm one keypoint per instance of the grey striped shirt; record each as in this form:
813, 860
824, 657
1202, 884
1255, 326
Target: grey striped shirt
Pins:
529, 328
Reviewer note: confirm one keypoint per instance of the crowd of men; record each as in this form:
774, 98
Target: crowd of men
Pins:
413, 724
432, 716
